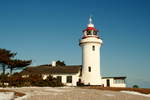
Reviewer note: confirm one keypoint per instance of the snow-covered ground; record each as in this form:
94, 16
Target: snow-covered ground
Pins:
71, 93
136, 93
6, 95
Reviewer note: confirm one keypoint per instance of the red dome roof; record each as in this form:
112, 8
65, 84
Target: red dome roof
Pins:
90, 28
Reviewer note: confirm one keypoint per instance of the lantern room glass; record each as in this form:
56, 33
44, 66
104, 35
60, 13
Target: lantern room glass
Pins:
91, 32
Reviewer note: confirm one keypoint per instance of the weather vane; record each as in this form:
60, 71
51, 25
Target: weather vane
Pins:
90, 19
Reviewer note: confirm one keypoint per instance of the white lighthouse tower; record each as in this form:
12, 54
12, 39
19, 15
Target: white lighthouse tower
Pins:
91, 44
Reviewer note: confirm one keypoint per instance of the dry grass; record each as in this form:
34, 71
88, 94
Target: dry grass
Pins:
140, 90
18, 94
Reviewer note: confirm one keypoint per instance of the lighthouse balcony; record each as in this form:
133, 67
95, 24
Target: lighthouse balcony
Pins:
90, 36
91, 40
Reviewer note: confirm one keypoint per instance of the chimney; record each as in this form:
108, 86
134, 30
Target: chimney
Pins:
53, 63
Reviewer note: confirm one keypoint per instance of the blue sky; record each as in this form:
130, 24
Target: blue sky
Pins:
47, 30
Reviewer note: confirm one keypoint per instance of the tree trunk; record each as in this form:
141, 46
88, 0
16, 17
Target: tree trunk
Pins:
3, 65
11, 69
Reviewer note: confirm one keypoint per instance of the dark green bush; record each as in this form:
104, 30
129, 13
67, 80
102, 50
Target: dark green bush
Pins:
16, 80
135, 86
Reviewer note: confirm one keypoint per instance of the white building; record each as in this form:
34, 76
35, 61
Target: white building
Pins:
89, 72
114, 81
68, 75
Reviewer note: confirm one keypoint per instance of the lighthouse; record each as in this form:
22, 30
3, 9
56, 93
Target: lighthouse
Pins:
91, 44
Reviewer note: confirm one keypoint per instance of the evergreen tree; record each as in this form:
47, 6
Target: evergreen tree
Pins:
16, 63
5, 56
6, 59
60, 63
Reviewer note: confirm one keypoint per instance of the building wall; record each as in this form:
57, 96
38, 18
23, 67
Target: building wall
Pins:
112, 83
75, 78
91, 58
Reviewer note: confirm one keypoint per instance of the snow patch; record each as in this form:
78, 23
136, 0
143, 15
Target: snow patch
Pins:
136, 93
110, 95
6, 95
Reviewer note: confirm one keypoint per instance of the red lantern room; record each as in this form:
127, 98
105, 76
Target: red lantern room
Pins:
90, 31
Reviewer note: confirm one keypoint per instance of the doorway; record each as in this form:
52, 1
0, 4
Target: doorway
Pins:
108, 83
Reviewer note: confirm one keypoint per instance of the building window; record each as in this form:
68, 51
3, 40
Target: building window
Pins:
93, 48
119, 81
89, 68
59, 78
69, 79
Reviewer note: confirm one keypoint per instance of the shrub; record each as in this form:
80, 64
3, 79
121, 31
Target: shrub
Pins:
53, 82
17, 80
135, 86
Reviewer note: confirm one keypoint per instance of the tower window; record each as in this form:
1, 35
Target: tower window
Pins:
93, 48
89, 69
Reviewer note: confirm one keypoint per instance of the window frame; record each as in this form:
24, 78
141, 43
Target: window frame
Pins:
89, 68
119, 81
93, 48
69, 79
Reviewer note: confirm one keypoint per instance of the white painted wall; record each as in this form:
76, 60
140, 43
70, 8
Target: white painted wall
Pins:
91, 59
44, 76
112, 83
75, 78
